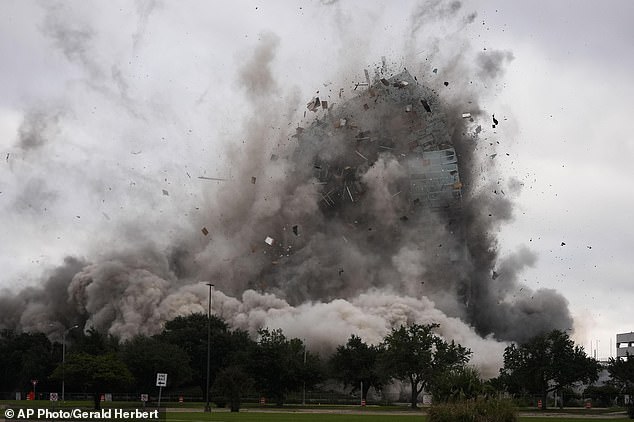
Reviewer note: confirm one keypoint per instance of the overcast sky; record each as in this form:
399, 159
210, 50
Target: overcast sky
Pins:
103, 105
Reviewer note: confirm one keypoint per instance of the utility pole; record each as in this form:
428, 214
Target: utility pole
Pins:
304, 389
64, 360
211, 286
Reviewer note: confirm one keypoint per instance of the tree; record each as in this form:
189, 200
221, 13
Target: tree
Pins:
190, 334
622, 374
461, 383
416, 355
231, 383
24, 357
95, 374
546, 363
277, 364
92, 342
357, 362
146, 356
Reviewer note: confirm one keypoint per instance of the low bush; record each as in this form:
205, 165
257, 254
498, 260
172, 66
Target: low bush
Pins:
474, 411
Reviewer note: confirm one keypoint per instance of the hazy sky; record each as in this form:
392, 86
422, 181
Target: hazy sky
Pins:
103, 105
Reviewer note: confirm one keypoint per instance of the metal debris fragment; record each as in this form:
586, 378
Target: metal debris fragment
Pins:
466, 115
313, 104
217, 179
408, 108
269, 241
361, 155
253, 179
296, 230
166, 193
205, 231
385, 82
425, 105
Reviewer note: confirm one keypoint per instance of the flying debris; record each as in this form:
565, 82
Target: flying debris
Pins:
428, 189
425, 105
212, 178
314, 104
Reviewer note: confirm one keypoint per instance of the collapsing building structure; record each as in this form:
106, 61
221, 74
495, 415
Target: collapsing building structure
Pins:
394, 133
400, 117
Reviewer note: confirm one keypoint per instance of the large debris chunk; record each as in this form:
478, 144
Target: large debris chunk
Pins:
314, 104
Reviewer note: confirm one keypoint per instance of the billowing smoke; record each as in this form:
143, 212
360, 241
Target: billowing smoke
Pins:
330, 229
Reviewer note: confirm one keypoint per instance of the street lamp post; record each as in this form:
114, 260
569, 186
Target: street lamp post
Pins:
211, 286
304, 388
64, 359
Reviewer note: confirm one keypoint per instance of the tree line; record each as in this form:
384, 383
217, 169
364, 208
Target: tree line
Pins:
274, 365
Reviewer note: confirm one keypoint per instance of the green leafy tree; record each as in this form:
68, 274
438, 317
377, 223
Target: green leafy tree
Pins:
461, 383
277, 365
602, 396
415, 354
190, 334
357, 362
24, 357
95, 374
546, 363
92, 342
622, 374
146, 356
232, 383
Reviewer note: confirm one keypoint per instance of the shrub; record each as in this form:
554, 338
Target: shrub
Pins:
474, 411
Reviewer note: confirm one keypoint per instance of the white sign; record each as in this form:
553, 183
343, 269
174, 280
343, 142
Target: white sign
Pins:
161, 380
144, 397
53, 397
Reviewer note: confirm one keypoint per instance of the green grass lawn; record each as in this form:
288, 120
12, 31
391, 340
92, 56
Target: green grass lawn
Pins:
294, 413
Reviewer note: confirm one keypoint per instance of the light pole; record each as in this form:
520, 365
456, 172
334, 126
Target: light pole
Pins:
304, 389
64, 359
211, 286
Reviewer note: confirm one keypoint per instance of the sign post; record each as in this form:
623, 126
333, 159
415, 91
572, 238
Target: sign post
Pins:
144, 399
161, 381
53, 398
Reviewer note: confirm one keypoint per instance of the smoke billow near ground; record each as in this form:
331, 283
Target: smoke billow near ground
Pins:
335, 267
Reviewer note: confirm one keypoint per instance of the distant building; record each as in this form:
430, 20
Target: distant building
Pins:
624, 344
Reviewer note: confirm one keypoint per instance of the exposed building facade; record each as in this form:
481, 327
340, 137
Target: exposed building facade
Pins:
624, 344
